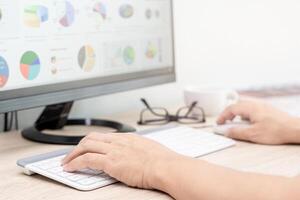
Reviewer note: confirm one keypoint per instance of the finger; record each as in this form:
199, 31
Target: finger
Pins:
240, 133
88, 160
232, 111
88, 146
227, 114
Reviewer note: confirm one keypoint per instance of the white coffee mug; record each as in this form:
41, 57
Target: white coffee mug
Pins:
212, 100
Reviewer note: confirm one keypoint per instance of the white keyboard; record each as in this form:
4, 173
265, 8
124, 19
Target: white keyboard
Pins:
181, 139
190, 142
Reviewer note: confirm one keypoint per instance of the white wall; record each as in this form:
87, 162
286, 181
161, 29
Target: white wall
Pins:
222, 42
238, 42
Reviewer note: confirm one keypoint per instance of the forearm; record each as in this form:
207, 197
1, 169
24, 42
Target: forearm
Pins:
293, 131
194, 179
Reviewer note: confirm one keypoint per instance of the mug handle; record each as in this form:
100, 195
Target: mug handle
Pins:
232, 97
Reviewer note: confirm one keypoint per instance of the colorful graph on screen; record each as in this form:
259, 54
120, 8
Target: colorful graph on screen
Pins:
151, 51
86, 58
129, 55
35, 15
126, 11
100, 9
68, 17
4, 72
30, 65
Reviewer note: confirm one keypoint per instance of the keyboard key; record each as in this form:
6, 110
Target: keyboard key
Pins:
77, 177
103, 176
108, 181
43, 167
65, 174
90, 181
56, 170
91, 172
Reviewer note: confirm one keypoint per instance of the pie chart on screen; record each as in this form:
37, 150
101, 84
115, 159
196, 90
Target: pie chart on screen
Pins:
126, 11
86, 58
68, 16
129, 55
100, 9
4, 72
30, 65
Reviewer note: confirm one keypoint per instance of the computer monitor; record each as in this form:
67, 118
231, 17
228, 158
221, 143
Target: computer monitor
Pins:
53, 52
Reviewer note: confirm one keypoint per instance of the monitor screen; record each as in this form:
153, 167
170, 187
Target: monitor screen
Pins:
48, 46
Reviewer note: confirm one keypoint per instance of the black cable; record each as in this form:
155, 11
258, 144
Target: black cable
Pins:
5, 122
3, 129
16, 120
11, 121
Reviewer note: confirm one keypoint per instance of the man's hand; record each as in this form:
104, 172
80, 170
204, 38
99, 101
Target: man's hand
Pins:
129, 158
268, 125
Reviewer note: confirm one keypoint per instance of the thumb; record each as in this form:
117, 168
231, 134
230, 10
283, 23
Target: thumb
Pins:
240, 133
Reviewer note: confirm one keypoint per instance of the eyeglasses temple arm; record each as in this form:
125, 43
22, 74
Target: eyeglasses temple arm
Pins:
191, 108
149, 107
146, 103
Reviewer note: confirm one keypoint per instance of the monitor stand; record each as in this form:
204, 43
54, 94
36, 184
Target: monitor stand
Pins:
55, 117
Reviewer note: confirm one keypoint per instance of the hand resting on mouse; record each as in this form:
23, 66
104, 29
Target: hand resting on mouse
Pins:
268, 124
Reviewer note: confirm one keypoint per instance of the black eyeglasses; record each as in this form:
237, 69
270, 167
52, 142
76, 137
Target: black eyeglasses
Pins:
158, 116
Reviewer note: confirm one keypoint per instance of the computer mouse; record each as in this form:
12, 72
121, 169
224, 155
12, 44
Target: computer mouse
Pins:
223, 129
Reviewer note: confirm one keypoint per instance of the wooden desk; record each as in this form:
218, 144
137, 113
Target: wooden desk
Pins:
14, 185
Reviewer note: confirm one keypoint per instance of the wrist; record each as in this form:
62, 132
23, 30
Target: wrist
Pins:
293, 131
163, 170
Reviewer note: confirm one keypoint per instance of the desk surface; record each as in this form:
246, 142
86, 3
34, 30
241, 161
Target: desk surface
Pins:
277, 160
